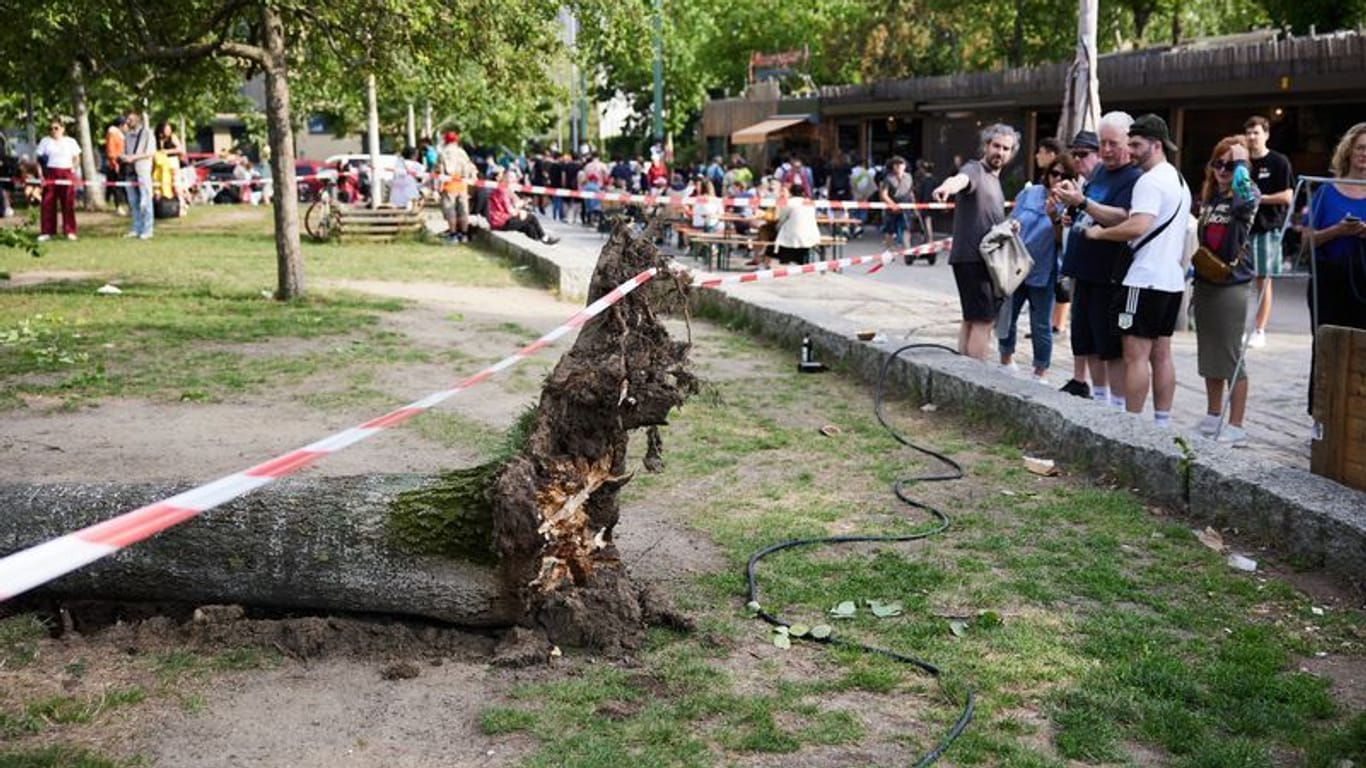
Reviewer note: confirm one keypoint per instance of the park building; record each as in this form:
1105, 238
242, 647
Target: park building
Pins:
1312, 88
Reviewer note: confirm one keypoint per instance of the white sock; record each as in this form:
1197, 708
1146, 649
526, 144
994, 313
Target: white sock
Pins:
1117, 402
1100, 393
1162, 418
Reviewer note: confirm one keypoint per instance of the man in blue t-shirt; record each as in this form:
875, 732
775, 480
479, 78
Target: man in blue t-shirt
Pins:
1097, 267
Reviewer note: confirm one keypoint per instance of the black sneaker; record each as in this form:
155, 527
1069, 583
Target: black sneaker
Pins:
1078, 388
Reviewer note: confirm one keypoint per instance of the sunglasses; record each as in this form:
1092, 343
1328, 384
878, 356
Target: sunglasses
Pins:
1220, 165
1081, 154
1057, 174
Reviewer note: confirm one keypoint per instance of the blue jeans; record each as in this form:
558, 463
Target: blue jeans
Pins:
140, 205
1040, 323
557, 208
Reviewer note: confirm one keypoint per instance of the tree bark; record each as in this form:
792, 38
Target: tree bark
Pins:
306, 544
280, 132
555, 502
80, 107
372, 136
412, 125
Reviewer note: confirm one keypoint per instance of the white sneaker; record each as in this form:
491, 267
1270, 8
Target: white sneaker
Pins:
144, 237
1233, 436
1257, 340
1042, 379
1009, 369
1209, 425
70, 237
44, 238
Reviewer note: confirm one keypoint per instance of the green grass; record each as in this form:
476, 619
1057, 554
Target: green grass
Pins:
60, 757
1090, 625
19, 636
37, 716
190, 298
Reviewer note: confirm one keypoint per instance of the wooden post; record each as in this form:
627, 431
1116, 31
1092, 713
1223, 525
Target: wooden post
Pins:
1339, 448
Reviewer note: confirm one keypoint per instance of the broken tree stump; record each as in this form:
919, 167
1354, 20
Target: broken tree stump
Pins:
555, 502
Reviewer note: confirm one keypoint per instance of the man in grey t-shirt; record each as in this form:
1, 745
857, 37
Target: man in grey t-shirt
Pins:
980, 205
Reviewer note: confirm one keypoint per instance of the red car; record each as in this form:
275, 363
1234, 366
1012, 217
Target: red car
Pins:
310, 182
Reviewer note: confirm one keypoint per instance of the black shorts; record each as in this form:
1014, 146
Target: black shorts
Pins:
1146, 313
975, 292
1062, 290
1093, 320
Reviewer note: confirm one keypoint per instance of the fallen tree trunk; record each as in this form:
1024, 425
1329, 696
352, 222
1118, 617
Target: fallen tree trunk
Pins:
303, 544
525, 539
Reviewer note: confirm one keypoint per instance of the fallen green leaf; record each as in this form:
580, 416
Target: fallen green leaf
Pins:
752, 607
958, 628
844, 610
782, 640
820, 631
798, 630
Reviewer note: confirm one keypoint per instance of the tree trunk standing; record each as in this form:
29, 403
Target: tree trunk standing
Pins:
412, 125
555, 502
1081, 99
427, 120
280, 133
372, 137
80, 107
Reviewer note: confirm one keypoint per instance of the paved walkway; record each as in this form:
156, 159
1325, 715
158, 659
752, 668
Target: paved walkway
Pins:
919, 302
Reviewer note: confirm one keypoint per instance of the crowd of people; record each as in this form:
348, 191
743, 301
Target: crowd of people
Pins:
1115, 234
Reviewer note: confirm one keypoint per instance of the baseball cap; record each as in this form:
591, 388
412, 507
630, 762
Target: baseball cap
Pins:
450, 137
1151, 126
1085, 140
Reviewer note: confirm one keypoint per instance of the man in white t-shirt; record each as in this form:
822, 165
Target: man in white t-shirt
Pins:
1156, 280
57, 155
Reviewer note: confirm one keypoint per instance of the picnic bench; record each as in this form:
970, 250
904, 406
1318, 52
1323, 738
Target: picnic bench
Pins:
378, 224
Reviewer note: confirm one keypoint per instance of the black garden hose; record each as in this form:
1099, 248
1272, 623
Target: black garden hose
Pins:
953, 472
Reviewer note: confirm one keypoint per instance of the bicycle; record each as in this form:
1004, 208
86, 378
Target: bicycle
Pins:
322, 220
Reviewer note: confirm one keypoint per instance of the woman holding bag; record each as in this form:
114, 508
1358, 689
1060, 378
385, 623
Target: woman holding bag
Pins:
1223, 274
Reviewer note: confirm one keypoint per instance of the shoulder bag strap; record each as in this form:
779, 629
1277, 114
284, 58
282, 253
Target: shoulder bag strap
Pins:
1149, 237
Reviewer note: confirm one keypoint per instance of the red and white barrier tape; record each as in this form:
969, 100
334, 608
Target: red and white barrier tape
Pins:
673, 199
678, 199
37, 565
878, 262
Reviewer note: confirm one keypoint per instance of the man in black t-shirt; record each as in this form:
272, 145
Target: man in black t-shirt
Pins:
1274, 177
980, 205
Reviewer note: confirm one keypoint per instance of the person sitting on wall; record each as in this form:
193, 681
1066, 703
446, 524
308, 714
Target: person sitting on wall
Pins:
507, 212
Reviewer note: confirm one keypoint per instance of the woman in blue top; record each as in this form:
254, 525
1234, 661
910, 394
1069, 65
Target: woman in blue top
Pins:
1038, 210
1337, 222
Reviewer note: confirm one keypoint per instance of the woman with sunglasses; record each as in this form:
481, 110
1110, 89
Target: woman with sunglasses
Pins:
1039, 212
57, 155
1228, 202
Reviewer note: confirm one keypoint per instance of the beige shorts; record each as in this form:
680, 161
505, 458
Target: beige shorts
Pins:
455, 205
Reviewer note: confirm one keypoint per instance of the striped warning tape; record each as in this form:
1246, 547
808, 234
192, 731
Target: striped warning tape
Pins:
877, 261
37, 565
668, 199
29, 568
